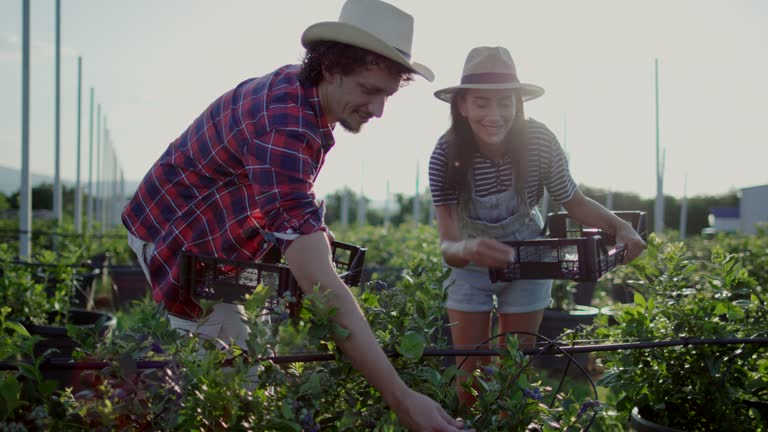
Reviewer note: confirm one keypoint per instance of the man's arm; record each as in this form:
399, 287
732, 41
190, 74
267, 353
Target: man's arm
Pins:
309, 257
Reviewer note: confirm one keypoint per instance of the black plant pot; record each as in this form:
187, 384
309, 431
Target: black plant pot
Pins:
82, 298
622, 293
638, 423
555, 323
85, 286
584, 293
57, 337
129, 284
99, 261
80, 288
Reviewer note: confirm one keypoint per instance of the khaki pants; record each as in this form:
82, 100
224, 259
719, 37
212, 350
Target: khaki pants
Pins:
224, 325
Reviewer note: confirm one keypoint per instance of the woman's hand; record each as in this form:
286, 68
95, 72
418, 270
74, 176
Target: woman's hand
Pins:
590, 213
487, 252
631, 240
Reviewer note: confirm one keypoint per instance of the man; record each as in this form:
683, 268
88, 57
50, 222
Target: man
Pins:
240, 180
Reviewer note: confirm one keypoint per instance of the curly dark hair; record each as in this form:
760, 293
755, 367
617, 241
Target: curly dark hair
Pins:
336, 57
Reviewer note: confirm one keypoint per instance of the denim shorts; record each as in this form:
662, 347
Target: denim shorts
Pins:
473, 291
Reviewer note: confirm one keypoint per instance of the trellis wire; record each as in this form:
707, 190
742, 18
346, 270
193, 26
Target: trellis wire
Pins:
437, 352
550, 347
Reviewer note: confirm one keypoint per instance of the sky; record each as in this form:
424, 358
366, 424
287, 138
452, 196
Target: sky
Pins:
155, 65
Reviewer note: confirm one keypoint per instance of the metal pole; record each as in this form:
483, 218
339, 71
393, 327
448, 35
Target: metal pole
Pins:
25, 193
97, 198
345, 208
105, 174
89, 218
113, 199
431, 211
684, 209
57, 133
78, 189
416, 209
658, 220
361, 219
386, 207
122, 194
361, 199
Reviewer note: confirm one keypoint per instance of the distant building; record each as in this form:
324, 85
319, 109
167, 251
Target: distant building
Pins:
724, 219
753, 208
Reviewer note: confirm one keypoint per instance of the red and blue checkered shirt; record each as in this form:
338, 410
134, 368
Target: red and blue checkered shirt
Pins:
245, 168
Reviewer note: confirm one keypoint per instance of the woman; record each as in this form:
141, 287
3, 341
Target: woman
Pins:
487, 174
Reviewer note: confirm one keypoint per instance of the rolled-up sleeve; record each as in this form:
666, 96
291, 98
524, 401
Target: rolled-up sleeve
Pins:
442, 192
282, 167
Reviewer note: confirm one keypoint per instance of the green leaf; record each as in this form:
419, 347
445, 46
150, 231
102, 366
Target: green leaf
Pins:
720, 309
47, 387
29, 371
347, 421
340, 331
10, 390
18, 328
433, 376
412, 345
735, 314
285, 425
639, 299
312, 386
625, 404
287, 410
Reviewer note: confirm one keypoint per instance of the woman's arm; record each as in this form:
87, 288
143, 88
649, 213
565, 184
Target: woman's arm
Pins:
589, 212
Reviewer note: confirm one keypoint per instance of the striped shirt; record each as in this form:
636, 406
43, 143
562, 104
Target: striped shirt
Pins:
248, 163
547, 168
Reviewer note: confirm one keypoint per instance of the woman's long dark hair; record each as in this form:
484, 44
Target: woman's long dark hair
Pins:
461, 146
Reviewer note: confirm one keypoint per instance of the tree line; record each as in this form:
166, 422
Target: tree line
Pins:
401, 207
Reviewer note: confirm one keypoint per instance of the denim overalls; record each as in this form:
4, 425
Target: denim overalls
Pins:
470, 288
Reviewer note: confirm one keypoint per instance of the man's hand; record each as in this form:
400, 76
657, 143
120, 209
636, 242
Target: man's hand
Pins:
487, 252
419, 413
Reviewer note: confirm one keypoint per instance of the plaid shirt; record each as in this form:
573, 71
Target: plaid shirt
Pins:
243, 170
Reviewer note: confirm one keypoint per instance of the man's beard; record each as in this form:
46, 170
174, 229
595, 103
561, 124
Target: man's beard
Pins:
349, 127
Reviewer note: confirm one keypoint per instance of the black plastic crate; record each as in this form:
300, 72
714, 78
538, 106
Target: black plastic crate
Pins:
229, 281
569, 251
